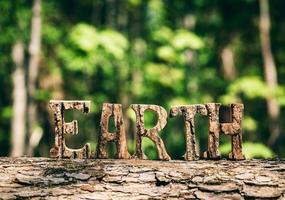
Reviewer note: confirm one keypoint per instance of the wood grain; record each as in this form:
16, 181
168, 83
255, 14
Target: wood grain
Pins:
45, 178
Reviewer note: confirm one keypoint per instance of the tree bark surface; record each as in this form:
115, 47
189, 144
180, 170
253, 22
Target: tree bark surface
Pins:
45, 178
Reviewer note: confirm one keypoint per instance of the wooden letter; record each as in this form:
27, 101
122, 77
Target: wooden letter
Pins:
150, 133
119, 137
214, 131
188, 112
234, 129
60, 150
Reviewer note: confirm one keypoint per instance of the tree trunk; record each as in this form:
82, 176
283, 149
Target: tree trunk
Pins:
34, 51
18, 124
228, 63
35, 178
270, 72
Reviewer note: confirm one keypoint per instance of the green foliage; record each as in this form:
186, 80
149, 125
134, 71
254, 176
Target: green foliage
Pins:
250, 150
7, 112
250, 86
163, 35
87, 49
184, 39
155, 14
50, 34
166, 53
113, 43
149, 148
135, 3
280, 93
42, 95
163, 74
84, 37
249, 124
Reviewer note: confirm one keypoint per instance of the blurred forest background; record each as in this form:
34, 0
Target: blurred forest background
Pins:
164, 52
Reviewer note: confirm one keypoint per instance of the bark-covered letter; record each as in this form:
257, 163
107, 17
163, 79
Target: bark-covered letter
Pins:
214, 131
188, 112
150, 133
60, 150
234, 129
119, 137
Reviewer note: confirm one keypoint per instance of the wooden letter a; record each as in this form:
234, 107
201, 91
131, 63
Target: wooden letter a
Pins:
119, 137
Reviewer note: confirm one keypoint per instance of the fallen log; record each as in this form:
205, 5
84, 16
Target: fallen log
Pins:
45, 178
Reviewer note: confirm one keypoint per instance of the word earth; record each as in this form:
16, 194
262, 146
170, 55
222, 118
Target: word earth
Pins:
233, 129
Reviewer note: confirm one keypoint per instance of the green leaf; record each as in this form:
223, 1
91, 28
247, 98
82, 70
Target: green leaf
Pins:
76, 62
166, 53
163, 35
51, 34
250, 150
249, 124
84, 37
7, 112
281, 95
251, 87
42, 95
114, 43
149, 149
135, 3
163, 74
185, 39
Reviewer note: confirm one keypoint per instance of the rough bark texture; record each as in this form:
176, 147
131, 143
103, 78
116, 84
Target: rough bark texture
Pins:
44, 178
214, 131
119, 136
150, 133
188, 112
232, 128
60, 150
